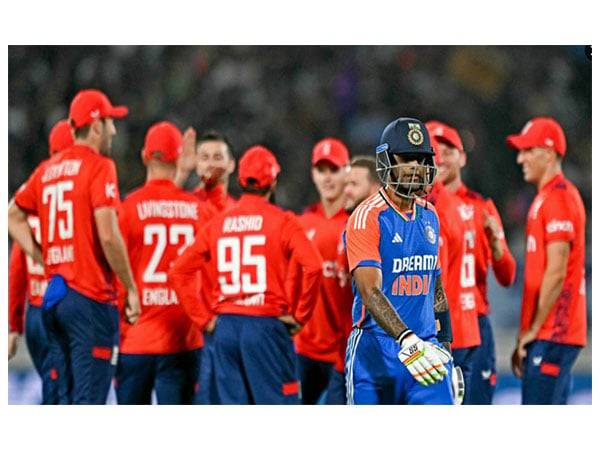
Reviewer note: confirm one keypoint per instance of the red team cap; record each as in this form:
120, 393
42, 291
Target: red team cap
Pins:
259, 164
163, 142
434, 142
91, 104
442, 132
332, 150
60, 137
540, 132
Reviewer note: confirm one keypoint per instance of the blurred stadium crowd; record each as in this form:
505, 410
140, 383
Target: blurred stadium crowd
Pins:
288, 97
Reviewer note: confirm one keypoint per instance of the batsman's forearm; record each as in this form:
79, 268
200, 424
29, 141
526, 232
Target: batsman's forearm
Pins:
440, 303
441, 310
384, 313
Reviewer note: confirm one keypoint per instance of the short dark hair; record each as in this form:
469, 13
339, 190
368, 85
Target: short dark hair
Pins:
82, 132
251, 189
214, 135
368, 162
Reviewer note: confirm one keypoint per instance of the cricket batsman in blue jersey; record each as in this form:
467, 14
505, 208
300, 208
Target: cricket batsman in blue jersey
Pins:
399, 348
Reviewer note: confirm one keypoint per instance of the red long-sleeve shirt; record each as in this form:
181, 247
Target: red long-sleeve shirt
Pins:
322, 336
249, 248
458, 267
26, 280
506, 267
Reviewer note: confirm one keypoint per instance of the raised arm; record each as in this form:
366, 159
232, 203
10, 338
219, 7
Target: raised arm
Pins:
503, 262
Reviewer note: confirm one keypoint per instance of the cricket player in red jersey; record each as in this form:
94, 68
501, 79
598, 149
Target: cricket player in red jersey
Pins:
485, 246
454, 234
361, 182
212, 159
553, 312
250, 246
27, 281
75, 194
318, 343
158, 221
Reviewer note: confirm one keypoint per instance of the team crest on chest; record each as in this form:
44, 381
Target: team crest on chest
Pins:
415, 135
430, 234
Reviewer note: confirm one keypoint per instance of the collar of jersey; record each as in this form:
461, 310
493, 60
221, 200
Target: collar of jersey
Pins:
247, 197
462, 190
393, 206
555, 179
160, 182
85, 147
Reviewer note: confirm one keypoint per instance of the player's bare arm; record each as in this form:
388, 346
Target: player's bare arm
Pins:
116, 255
368, 281
187, 161
13, 344
20, 231
440, 303
493, 234
557, 257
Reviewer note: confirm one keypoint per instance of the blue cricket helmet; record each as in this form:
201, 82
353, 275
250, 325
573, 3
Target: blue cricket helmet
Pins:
407, 137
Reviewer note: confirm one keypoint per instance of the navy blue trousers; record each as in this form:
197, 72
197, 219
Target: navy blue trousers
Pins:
84, 338
336, 390
38, 345
254, 361
482, 383
172, 376
547, 373
465, 359
207, 384
314, 378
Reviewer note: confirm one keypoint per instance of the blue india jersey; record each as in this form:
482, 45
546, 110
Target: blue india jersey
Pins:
405, 248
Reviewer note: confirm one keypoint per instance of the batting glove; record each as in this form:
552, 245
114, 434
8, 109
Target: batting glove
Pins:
441, 352
421, 359
458, 385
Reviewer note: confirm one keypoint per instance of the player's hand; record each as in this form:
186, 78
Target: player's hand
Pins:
458, 385
187, 160
213, 176
132, 306
440, 351
13, 344
494, 235
520, 352
423, 359
291, 324
516, 363
210, 327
